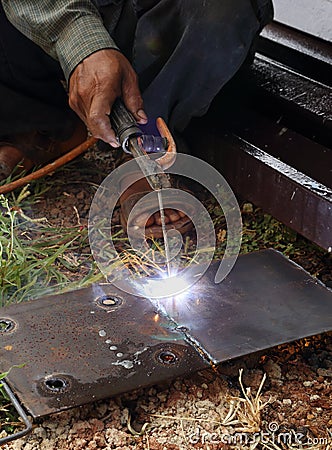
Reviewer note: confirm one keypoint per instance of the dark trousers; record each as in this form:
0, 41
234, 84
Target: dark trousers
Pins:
184, 51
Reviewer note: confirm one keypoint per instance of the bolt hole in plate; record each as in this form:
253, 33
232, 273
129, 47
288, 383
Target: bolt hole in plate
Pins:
56, 384
6, 325
167, 357
109, 301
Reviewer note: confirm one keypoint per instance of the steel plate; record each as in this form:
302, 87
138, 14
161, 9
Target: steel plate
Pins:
266, 300
76, 351
98, 342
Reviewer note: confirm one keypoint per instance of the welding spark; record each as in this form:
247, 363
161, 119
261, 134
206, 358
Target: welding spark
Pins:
164, 287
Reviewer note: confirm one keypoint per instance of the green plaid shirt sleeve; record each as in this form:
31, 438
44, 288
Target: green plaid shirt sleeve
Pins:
69, 31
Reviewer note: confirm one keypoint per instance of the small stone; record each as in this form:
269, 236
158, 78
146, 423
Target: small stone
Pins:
199, 393
328, 364
124, 416
96, 425
102, 333
273, 370
307, 383
287, 401
29, 446
314, 397
247, 208
310, 416
324, 372
40, 432
162, 396
79, 427
281, 418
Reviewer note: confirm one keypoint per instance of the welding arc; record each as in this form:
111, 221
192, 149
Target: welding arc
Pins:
158, 180
109, 259
163, 227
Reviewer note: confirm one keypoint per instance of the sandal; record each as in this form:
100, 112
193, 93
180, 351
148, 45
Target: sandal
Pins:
175, 219
10, 158
26, 150
148, 219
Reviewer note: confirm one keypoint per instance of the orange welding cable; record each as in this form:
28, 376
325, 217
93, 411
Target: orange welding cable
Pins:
49, 168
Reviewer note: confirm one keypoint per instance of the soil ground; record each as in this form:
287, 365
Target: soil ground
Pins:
297, 387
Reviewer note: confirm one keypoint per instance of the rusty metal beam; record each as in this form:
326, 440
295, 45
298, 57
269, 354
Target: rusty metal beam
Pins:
281, 190
98, 342
284, 173
276, 139
305, 104
309, 55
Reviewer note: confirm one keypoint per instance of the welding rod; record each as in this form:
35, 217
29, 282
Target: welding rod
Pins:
127, 132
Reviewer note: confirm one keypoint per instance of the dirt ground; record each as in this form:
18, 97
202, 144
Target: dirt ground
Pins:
298, 388
199, 412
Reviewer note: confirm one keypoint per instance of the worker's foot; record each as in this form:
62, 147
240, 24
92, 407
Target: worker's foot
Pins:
23, 151
11, 158
147, 220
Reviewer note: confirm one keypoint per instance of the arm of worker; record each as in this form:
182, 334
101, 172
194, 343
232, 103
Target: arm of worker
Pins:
73, 33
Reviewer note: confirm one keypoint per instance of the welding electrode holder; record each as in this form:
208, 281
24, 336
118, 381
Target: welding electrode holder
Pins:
123, 123
125, 127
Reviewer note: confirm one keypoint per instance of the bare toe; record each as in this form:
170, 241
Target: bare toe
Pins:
158, 219
172, 214
144, 219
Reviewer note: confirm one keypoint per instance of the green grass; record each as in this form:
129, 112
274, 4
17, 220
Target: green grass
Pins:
261, 231
36, 257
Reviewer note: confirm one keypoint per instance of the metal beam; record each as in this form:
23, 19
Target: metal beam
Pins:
292, 197
306, 54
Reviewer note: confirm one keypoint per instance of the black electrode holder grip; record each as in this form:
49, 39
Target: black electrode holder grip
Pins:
125, 128
123, 123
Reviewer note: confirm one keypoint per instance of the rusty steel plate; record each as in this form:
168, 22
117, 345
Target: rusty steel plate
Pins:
98, 342
87, 345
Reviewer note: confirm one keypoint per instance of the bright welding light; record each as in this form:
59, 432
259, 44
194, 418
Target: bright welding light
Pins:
165, 287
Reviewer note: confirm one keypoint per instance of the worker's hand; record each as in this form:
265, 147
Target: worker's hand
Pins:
95, 84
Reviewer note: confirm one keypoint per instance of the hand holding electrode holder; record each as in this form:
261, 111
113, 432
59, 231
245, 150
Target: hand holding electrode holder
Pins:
125, 127
133, 141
